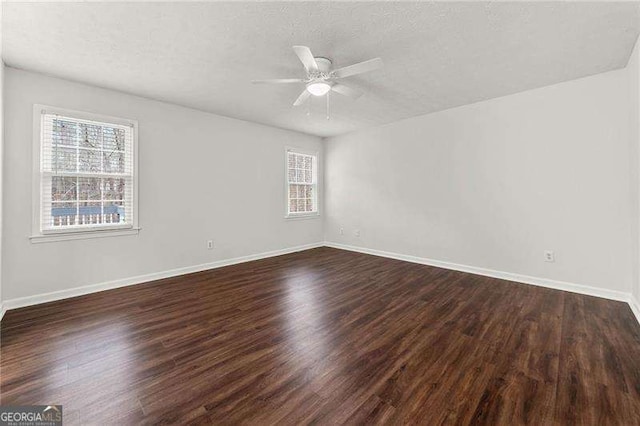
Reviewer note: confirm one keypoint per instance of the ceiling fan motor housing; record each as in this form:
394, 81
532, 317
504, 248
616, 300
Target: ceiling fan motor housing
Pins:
324, 65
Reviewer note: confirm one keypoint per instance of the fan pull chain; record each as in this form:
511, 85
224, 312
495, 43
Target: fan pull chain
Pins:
328, 105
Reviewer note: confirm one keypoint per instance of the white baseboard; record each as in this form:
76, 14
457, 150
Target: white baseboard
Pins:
635, 306
542, 282
79, 291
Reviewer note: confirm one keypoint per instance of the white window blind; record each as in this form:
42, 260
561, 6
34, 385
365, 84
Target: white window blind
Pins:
302, 183
87, 174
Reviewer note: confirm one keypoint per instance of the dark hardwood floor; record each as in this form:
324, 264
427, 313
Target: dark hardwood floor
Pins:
327, 336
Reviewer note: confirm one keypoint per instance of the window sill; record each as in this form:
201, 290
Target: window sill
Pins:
302, 216
67, 236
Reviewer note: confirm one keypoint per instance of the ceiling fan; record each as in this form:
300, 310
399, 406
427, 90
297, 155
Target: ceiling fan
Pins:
321, 79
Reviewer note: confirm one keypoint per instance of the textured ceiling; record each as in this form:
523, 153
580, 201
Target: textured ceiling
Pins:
204, 55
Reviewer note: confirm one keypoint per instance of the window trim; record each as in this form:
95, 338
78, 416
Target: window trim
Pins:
302, 215
37, 234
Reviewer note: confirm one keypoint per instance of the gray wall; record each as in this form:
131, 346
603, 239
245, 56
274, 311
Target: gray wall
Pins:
489, 185
633, 74
202, 177
495, 184
2, 297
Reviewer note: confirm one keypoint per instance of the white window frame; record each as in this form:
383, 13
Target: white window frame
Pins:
50, 235
316, 172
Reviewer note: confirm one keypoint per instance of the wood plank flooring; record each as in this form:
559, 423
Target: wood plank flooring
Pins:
327, 337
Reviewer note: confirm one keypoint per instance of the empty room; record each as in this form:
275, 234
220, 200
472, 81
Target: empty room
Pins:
320, 213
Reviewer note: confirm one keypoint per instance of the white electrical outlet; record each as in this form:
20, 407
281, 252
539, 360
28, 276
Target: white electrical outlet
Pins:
341, 231
210, 244
356, 232
549, 256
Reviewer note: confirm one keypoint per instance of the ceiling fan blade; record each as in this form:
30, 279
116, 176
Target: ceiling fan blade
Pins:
346, 90
359, 68
303, 97
279, 80
306, 57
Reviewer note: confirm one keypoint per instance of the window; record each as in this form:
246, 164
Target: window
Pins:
86, 173
302, 184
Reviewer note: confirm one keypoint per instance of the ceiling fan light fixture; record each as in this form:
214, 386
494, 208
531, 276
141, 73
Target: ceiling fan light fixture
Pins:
319, 88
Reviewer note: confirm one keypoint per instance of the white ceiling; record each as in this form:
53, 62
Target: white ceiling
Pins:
204, 55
